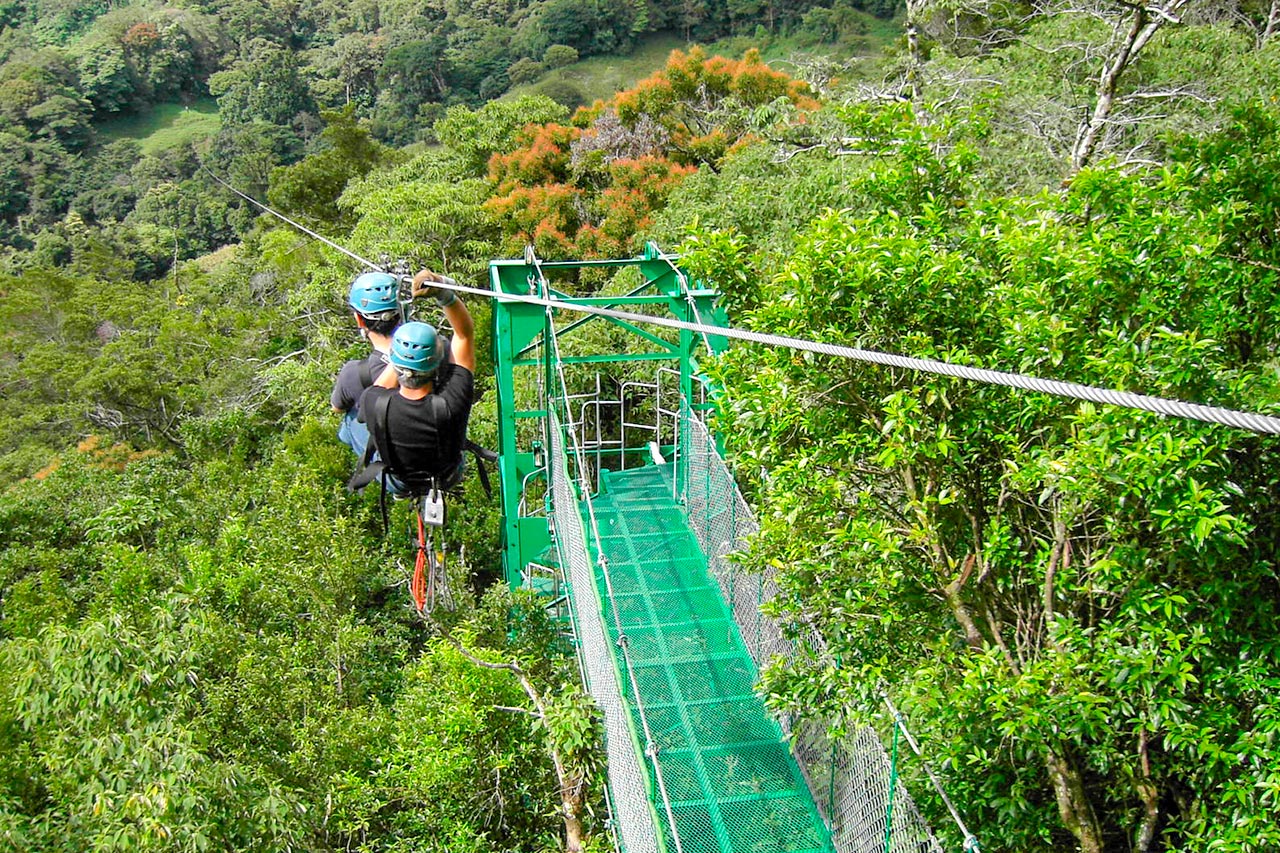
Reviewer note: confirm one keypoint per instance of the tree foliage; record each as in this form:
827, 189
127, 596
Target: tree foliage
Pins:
203, 638
589, 188
1053, 591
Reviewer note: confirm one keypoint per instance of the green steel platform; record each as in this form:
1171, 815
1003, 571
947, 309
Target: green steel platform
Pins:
731, 780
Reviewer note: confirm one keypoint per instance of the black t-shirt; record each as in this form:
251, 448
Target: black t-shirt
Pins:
427, 434
348, 387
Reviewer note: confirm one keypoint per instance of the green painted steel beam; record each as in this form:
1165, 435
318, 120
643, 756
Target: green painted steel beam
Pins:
519, 333
617, 359
610, 301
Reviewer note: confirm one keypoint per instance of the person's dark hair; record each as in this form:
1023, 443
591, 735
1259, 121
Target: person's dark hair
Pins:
413, 379
381, 327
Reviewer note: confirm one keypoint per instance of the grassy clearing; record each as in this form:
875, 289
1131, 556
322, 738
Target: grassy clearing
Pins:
600, 77
603, 76
216, 258
166, 125
782, 51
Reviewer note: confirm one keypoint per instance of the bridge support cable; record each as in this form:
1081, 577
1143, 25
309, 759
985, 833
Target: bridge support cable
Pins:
970, 840
638, 833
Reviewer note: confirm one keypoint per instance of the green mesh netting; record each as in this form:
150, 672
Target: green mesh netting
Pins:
730, 779
671, 642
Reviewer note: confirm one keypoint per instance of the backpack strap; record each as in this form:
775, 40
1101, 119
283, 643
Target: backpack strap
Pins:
368, 470
381, 431
438, 411
482, 455
366, 373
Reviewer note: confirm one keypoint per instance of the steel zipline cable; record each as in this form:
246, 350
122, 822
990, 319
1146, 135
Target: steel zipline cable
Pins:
304, 229
1251, 421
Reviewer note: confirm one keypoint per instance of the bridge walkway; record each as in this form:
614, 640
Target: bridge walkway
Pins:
730, 778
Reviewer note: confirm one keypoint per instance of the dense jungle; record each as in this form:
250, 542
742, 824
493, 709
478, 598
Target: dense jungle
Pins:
205, 639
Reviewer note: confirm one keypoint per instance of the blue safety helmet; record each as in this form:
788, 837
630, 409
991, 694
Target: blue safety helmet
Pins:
416, 346
374, 294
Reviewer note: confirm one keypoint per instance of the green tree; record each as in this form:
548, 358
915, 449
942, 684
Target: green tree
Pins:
347, 71
1048, 588
264, 84
312, 186
476, 135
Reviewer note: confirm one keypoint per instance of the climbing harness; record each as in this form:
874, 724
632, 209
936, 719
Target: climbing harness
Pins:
429, 585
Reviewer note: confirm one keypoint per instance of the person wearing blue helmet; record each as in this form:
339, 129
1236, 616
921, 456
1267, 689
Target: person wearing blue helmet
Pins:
374, 301
417, 409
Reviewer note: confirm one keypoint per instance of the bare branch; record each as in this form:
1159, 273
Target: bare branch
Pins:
1143, 24
1187, 93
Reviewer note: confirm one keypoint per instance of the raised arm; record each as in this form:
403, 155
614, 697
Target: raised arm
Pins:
460, 322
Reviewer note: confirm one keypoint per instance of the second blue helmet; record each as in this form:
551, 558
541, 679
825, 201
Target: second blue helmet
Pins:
374, 294
416, 346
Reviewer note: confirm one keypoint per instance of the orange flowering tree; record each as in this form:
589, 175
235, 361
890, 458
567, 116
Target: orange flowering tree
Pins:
590, 188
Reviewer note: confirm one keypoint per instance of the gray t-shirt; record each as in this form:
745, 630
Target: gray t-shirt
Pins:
350, 384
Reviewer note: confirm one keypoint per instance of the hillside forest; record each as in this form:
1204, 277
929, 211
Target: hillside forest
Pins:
205, 639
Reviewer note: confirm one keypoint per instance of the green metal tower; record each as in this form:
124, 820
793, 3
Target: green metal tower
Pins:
520, 332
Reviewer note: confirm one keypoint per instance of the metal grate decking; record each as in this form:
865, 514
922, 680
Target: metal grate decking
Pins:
730, 776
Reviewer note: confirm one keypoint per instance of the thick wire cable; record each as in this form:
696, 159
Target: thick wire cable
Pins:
304, 229
970, 840
1251, 421
650, 745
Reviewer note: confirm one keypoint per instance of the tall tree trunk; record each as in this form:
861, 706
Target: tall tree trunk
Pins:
1143, 24
1150, 797
1273, 22
572, 806
1073, 803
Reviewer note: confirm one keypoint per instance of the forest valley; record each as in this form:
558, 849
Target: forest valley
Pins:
204, 639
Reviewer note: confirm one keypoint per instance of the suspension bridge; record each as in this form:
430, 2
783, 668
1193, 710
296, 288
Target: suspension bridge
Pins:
615, 500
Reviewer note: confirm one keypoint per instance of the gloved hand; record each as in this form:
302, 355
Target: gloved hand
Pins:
426, 283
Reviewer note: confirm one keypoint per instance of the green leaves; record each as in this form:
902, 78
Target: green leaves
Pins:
1053, 590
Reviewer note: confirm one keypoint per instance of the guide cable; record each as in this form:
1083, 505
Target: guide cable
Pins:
1252, 421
